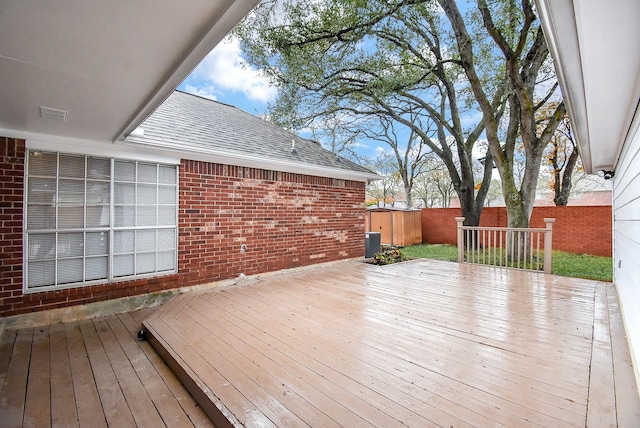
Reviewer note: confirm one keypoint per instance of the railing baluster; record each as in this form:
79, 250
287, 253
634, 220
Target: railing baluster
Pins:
513, 244
467, 248
530, 247
505, 246
538, 249
473, 246
492, 246
518, 248
501, 250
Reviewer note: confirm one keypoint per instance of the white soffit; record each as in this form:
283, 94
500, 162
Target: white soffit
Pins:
108, 65
595, 47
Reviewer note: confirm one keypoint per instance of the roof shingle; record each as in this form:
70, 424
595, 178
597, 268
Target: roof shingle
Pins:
192, 124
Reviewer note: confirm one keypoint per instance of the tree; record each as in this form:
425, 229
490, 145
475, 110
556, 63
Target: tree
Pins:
382, 59
338, 132
564, 160
495, 192
521, 62
434, 185
408, 150
386, 189
389, 58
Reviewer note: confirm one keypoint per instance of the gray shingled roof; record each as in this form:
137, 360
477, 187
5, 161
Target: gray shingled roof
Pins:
192, 124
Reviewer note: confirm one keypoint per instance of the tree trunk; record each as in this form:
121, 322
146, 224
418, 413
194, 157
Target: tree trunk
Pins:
407, 195
561, 198
469, 208
563, 184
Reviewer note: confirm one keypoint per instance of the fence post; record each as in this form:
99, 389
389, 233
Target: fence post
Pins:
460, 220
548, 244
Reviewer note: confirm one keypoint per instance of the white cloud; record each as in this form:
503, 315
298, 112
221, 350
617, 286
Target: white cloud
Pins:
382, 150
203, 91
225, 69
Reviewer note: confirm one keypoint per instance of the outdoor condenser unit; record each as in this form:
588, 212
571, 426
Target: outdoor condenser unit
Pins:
371, 244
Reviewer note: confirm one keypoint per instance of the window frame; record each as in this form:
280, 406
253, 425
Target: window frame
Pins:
29, 233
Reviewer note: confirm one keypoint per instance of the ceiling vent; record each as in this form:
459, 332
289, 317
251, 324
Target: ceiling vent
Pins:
53, 113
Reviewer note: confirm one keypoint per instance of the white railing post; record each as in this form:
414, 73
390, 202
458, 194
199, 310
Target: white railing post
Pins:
548, 244
460, 220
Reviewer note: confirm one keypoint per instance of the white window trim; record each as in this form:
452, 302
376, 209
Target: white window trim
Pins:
109, 150
49, 147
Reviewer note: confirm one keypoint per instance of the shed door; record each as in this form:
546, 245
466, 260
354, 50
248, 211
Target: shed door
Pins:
381, 222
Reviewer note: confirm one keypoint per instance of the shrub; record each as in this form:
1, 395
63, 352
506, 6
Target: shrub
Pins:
388, 256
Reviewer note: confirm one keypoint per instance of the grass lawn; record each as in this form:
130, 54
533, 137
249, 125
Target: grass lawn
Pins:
564, 264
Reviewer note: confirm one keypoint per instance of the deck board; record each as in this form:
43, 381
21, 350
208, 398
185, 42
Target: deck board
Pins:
114, 403
63, 406
89, 408
400, 351
190, 409
423, 343
602, 405
6, 348
90, 373
331, 364
37, 411
12, 397
627, 408
308, 395
142, 408
155, 392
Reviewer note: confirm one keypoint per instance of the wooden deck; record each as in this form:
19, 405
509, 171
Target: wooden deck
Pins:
91, 373
419, 344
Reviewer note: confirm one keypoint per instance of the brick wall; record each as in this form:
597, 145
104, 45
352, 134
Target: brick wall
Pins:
578, 229
285, 220
11, 194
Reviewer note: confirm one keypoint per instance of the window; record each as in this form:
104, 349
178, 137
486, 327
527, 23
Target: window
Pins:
93, 219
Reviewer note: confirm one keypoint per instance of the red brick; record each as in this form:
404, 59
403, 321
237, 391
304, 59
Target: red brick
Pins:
591, 224
221, 207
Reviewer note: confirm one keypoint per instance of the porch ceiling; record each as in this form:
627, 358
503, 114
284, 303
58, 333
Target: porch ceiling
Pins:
594, 45
108, 64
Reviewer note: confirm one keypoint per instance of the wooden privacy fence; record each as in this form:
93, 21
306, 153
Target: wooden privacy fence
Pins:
520, 248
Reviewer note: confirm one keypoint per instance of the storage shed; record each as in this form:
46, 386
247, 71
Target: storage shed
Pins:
398, 227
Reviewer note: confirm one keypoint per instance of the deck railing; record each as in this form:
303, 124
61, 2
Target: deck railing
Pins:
520, 248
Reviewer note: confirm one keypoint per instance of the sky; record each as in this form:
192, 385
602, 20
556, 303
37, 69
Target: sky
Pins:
224, 76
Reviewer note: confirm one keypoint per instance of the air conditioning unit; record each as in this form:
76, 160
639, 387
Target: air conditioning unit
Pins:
371, 244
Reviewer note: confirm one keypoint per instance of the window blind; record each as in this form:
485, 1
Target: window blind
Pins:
92, 219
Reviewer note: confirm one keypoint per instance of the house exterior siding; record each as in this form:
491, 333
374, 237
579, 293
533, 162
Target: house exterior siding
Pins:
231, 220
626, 237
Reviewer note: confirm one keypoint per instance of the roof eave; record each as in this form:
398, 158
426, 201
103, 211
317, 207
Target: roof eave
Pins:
240, 159
187, 64
559, 27
592, 45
